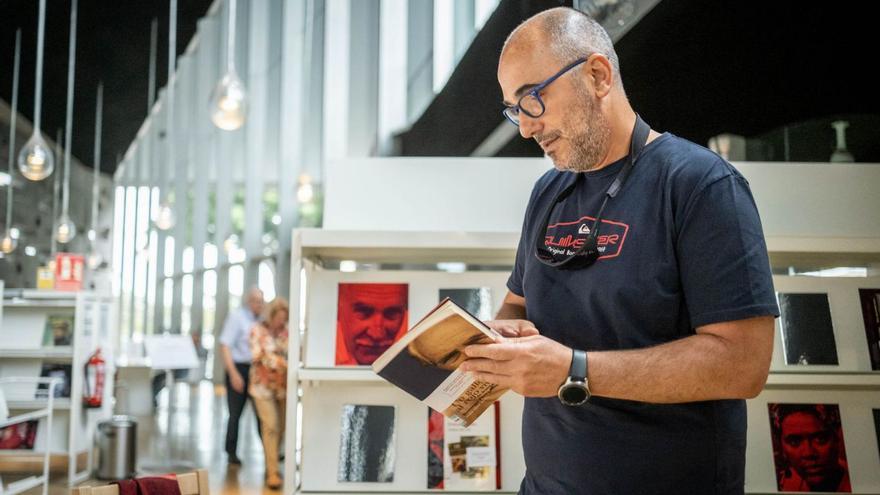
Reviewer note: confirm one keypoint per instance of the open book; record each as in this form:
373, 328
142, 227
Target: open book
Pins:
424, 363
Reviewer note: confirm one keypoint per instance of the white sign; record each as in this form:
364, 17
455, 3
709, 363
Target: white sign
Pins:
171, 352
480, 457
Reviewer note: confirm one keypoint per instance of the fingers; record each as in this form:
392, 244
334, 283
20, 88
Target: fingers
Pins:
529, 331
502, 351
504, 381
484, 366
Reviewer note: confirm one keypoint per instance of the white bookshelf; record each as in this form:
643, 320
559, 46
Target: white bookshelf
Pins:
313, 425
22, 354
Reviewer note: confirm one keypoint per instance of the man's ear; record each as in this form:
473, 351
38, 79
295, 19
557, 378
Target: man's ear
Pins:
600, 74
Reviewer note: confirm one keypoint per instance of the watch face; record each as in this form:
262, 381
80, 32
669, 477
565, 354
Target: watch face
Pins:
573, 394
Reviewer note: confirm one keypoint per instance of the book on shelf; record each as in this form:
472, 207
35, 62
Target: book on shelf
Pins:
876, 413
58, 330
476, 300
424, 363
464, 458
370, 317
807, 331
19, 436
62, 371
808, 449
870, 299
366, 444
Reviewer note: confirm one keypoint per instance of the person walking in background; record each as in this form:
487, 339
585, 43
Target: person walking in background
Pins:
268, 382
236, 353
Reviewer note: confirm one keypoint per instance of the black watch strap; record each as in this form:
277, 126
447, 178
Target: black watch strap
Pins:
578, 369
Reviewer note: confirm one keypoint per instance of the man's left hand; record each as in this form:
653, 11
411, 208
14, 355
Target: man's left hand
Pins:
532, 366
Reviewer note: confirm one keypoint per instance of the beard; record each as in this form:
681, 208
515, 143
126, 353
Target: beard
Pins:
590, 133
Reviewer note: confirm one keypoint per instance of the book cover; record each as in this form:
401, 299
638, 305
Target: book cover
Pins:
870, 299
476, 301
424, 363
62, 371
58, 330
19, 435
464, 458
877, 426
808, 448
369, 319
807, 332
366, 444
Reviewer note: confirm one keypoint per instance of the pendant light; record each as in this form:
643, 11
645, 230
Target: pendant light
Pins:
165, 219
95, 259
8, 243
229, 98
66, 229
35, 160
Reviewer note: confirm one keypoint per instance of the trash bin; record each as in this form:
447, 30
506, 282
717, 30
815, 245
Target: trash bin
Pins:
117, 448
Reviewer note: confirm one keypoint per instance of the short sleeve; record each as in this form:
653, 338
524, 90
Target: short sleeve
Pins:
230, 328
515, 281
723, 261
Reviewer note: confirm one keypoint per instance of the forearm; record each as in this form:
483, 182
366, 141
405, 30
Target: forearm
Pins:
696, 368
228, 363
510, 311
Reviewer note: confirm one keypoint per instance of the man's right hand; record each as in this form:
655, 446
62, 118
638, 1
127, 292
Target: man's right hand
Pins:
513, 328
237, 382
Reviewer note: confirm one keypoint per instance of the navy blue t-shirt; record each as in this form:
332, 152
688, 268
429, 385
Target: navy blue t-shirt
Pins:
681, 246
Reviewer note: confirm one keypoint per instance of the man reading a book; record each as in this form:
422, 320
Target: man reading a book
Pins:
642, 267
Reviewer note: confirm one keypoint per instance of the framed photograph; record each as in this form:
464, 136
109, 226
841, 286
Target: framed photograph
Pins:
807, 331
369, 319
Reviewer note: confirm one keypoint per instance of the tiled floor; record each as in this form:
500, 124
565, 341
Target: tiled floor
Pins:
194, 433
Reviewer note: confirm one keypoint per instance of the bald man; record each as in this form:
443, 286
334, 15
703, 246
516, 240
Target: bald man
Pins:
641, 303
236, 353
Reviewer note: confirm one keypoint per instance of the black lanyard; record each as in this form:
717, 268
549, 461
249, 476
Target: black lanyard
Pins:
588, 253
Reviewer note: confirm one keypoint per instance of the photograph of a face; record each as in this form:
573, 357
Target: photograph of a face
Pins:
366, 445
807, 332
808, 448
369, 318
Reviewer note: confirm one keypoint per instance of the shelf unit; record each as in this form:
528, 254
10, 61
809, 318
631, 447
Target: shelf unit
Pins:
317, 252
22, 324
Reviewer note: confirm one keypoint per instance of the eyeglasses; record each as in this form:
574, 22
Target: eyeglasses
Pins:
531, 103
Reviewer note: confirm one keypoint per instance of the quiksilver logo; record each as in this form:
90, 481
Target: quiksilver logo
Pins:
584, 229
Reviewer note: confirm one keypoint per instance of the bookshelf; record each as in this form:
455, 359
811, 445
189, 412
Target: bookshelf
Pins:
26, 348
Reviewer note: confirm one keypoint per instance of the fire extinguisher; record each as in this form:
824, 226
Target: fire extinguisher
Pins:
94, 382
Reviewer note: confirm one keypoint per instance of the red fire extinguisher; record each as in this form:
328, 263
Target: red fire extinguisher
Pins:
94, 382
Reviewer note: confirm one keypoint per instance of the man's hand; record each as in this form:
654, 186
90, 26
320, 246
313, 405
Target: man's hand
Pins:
513, 328
532, 366
237, 382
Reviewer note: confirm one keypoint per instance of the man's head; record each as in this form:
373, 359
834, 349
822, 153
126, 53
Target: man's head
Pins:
255, 301
809, 443
371, 317
442, 346
574, 129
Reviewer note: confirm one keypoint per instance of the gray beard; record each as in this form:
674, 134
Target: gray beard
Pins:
592, 135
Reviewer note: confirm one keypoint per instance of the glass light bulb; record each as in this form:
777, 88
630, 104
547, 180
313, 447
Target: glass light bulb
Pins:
8, 243
66, 230
94, 260
35, 160
229, 103
165, 218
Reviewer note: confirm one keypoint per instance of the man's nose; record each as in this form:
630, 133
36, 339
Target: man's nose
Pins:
528, 126
376, 329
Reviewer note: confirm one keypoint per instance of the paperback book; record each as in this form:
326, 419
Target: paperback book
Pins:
870, 299
369, 318
425, 361
366, 444
807, 332
19, 435
464, 459
60, 371
58, 330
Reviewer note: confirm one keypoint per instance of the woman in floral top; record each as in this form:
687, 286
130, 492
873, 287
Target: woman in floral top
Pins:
268, 382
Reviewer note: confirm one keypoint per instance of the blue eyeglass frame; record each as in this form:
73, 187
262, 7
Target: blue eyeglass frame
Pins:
534, 92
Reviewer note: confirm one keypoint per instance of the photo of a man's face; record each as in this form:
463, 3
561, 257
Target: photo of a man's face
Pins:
370, 318
808, 448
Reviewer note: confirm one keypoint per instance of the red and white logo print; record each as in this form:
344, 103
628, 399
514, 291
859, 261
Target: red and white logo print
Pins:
564, 238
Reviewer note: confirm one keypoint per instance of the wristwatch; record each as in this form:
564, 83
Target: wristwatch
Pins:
576, 390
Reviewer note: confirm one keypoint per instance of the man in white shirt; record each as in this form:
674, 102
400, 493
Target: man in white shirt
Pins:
236, 352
